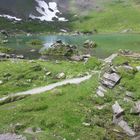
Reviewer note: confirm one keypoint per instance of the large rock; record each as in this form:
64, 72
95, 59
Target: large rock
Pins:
110, 79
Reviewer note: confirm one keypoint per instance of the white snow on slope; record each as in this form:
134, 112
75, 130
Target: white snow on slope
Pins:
47, 11
11, 17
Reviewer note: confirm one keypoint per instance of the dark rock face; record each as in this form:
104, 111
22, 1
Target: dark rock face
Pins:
23, 8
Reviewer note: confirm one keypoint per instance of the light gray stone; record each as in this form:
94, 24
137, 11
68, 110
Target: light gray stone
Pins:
124, 125
9, 136
117, 110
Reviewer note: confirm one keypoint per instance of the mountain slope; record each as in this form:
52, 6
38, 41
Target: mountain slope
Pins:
83, 15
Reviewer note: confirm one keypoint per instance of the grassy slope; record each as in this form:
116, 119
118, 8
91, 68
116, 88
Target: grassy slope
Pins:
61, 112
23, 75
115, 16
112, 16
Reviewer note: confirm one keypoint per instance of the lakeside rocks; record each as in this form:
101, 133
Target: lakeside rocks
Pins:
129, 53
80, 57
89, 44
7, 56
60, 49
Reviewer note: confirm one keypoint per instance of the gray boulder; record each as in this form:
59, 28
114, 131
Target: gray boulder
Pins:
117, 110
110, 79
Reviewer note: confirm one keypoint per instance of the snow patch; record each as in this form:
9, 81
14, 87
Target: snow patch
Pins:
47, 11
11, 17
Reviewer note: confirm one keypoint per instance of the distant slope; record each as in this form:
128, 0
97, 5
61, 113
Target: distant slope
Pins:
110, 16
83, 15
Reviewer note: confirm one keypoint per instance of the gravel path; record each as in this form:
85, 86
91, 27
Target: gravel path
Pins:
47, 88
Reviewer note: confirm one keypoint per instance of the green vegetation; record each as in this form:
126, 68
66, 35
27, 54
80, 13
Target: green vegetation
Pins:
64, 112
114, 17
32, 26
5, 50
27, 74
110, 16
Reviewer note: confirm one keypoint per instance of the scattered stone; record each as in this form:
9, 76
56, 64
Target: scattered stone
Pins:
100, 91
100, 107
86, 124
32, 61
129, 94
136, 108
9, 136
80, 57
118, 119
20, 57
76, 58
63, 30
60, 76
138, 68
48, 73
1, 82
118, 111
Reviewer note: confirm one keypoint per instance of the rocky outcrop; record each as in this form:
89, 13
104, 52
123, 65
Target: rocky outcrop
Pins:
59, 48
118, 119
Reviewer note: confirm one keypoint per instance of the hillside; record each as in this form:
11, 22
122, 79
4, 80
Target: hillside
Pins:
104, 16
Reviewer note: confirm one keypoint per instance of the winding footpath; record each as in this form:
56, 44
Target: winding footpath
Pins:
46, 88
